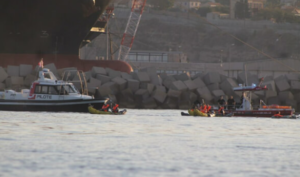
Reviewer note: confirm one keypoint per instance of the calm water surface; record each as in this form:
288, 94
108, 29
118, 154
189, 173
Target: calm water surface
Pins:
147, 143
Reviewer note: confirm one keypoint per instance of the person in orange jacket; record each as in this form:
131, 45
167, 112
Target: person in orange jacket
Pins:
204, 108
277, 114
105, 107
115, 108
208, 108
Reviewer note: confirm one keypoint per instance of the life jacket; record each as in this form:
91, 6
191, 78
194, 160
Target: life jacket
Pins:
204, 109
209, 108
105, 107
221, 108
277, 115
115, 108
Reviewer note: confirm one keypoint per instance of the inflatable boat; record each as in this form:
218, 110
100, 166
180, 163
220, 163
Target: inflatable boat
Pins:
92, 110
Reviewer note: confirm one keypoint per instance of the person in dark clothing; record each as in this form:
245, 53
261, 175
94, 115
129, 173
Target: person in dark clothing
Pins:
230, 103
196, 104
222, 104
221, 101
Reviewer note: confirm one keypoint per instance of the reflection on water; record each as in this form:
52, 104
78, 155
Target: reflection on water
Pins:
146, 143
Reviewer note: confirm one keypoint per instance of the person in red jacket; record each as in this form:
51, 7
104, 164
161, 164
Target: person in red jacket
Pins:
208, 108
115, 108
277, 114
203, 108
105, 107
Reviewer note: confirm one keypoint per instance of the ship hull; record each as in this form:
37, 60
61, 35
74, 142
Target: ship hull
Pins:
50, 106
260, 113
63, 61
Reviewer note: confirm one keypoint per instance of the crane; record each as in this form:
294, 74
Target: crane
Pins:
131, 28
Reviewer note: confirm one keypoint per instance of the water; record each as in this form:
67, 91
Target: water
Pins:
146, 143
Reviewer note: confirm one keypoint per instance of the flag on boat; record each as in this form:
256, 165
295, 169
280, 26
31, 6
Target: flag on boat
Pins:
41, 63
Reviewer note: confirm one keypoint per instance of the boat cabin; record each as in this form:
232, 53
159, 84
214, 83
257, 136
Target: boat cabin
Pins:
47, 87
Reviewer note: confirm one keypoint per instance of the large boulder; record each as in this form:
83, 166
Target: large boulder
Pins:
213, 87
87, 75
150, 88
159, 96
133, 84
168, 81
98, 70
286, 95
94, 83
218, 93
295, 85
171, 103
149, 103
212, 77
282, 84
152, 73
162, 88
269, 94
143, 77
120, 82
205, 94
183, 77
102, 78
25, 70
191, 85
227, 86
179, 85
292, 77
16, 80
2, 86
273, 100
3, 74
199, 82
126, 75
290, 102
112, 86
112, 73
140, 95
13, 70
29, 79
174, 93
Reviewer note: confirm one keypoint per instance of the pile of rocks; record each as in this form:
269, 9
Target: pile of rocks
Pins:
149, 90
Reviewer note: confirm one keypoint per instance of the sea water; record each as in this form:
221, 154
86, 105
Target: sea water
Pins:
146, 143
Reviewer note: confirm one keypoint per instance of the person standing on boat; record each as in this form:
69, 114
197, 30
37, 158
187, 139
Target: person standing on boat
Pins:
222, 104
230, 103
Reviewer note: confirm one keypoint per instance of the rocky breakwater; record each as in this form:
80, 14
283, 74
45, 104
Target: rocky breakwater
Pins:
146, 89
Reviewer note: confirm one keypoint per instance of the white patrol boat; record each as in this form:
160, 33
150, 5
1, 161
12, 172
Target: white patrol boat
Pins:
48, 94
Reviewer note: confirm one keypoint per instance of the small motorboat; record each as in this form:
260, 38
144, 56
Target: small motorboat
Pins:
93, 110
48, 94
210, 115
285, 117
196, 112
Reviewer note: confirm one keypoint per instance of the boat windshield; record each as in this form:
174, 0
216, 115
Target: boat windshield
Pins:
49, 76
66, 89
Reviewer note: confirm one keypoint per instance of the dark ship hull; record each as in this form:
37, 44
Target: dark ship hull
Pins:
51, 29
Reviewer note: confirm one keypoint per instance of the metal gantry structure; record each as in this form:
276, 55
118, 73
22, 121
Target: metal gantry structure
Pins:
131, 28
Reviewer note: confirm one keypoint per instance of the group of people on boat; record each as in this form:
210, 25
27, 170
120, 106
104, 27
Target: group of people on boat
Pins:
110, 107
204, 108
